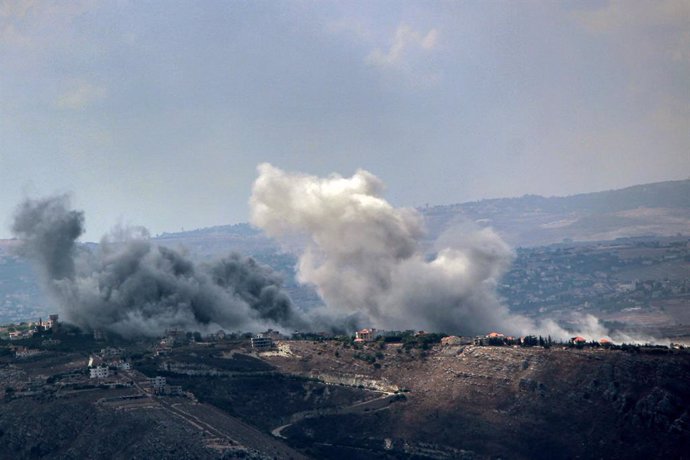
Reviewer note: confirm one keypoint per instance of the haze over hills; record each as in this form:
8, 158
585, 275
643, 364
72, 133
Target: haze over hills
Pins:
658, 209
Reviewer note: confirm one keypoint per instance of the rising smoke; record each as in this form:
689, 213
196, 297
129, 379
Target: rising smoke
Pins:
134, 288
364, 257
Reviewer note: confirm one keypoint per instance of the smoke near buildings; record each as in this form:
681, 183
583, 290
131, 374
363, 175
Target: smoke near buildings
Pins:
134, 288
364, 256
370, 264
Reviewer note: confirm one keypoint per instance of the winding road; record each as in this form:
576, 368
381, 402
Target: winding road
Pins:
371, 405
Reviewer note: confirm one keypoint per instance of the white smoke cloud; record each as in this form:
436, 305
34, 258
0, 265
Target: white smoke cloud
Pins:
364, 257
366, 261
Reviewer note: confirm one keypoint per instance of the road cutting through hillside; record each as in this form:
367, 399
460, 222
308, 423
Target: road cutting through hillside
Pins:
369, 406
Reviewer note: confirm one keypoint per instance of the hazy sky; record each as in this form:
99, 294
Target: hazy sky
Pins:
157, 113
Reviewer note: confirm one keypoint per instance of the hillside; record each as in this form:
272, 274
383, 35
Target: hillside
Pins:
660, 209
338, 400
221, 239
481, 402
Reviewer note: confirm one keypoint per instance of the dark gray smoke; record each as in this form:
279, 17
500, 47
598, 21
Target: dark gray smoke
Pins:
135, 288
50, 230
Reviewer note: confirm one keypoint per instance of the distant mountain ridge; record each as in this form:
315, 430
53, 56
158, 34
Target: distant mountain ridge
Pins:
657, 209
665, 194
219, 240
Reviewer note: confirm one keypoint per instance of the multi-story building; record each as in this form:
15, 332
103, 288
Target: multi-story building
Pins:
260, 342
99, 372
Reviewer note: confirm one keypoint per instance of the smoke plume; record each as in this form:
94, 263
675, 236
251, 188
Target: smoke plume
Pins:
135, 288
364, 258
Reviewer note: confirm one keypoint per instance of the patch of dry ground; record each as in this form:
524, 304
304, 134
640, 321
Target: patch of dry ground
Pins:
510, 402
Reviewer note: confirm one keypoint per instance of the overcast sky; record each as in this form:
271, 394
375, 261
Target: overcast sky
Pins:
157, 113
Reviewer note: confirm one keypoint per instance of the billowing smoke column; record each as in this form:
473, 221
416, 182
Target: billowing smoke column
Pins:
134, 288
364, 257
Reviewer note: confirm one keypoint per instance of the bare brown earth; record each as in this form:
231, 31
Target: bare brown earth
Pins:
505, 402
328, 400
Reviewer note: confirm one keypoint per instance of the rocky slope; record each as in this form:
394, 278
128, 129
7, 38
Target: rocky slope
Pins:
328, 399
506, 402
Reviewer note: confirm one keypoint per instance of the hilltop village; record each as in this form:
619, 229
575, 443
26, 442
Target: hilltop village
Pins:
27, 339
109, 361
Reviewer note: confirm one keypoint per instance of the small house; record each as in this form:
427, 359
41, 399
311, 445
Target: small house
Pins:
366, 335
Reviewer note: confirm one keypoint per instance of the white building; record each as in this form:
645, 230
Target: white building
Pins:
158, 383
99, 372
